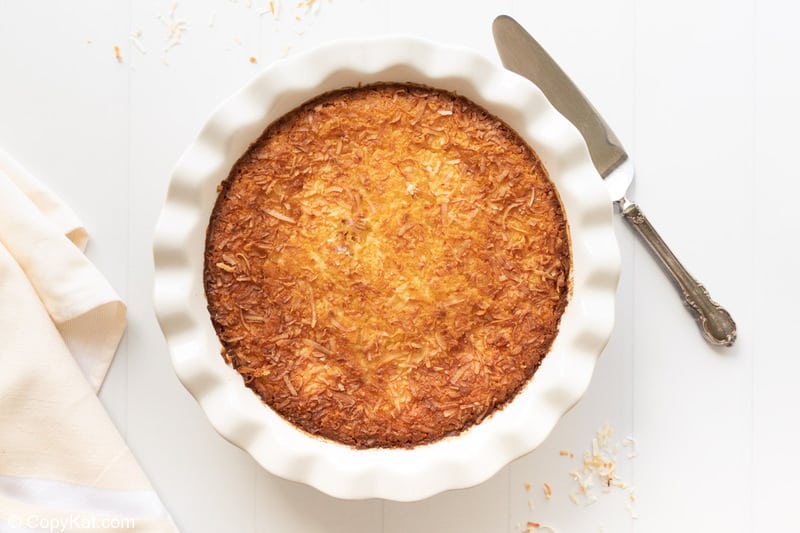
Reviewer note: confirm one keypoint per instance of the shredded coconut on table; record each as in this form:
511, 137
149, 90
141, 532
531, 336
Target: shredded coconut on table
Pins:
597, 467
535, 527
174, 27
137, 42
272, 7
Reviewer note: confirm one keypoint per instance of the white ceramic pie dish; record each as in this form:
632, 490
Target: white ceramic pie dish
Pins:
397, 474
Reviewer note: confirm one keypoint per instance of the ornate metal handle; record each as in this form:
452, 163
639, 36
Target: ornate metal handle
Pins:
716, 323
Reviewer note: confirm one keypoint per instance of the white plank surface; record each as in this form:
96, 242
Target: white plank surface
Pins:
703, 94
776, 261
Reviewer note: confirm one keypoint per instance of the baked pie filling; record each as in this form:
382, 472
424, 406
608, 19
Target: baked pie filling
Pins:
387, 265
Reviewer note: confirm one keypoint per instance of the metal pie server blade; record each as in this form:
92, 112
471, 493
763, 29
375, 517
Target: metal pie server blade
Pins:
520, 53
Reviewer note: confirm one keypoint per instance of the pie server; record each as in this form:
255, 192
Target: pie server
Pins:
521, 53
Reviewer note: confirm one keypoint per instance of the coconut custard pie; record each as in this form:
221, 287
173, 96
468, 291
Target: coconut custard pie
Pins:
387, 265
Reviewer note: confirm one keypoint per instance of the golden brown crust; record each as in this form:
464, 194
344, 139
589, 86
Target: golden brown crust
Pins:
387, 265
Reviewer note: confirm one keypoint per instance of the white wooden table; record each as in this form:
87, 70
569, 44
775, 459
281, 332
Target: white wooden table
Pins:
702, 93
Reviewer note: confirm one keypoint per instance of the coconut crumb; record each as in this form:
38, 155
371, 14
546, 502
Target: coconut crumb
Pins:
533, 527
527, 487
597, 467
137, 41
272, 8
308, 5
629, 442
600, 465
173, 27
117, 54
253, 60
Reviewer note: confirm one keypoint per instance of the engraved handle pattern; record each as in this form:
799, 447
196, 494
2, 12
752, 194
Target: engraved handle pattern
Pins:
715, 322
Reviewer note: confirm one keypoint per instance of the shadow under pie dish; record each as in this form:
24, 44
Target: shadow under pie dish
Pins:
386, 266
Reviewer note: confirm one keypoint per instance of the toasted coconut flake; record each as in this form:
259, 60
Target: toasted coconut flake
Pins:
404, 228
313, 307
226, 267
548, 492
244, 260
317, 346
280, 216
459, 373
289, 385
534, 527
338, 325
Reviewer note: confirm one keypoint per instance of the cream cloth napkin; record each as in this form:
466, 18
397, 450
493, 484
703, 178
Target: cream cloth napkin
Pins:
63, 465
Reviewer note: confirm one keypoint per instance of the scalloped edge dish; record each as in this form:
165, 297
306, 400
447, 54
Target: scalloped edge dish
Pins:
453, 462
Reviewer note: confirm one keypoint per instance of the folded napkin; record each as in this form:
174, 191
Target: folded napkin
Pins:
63, 465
